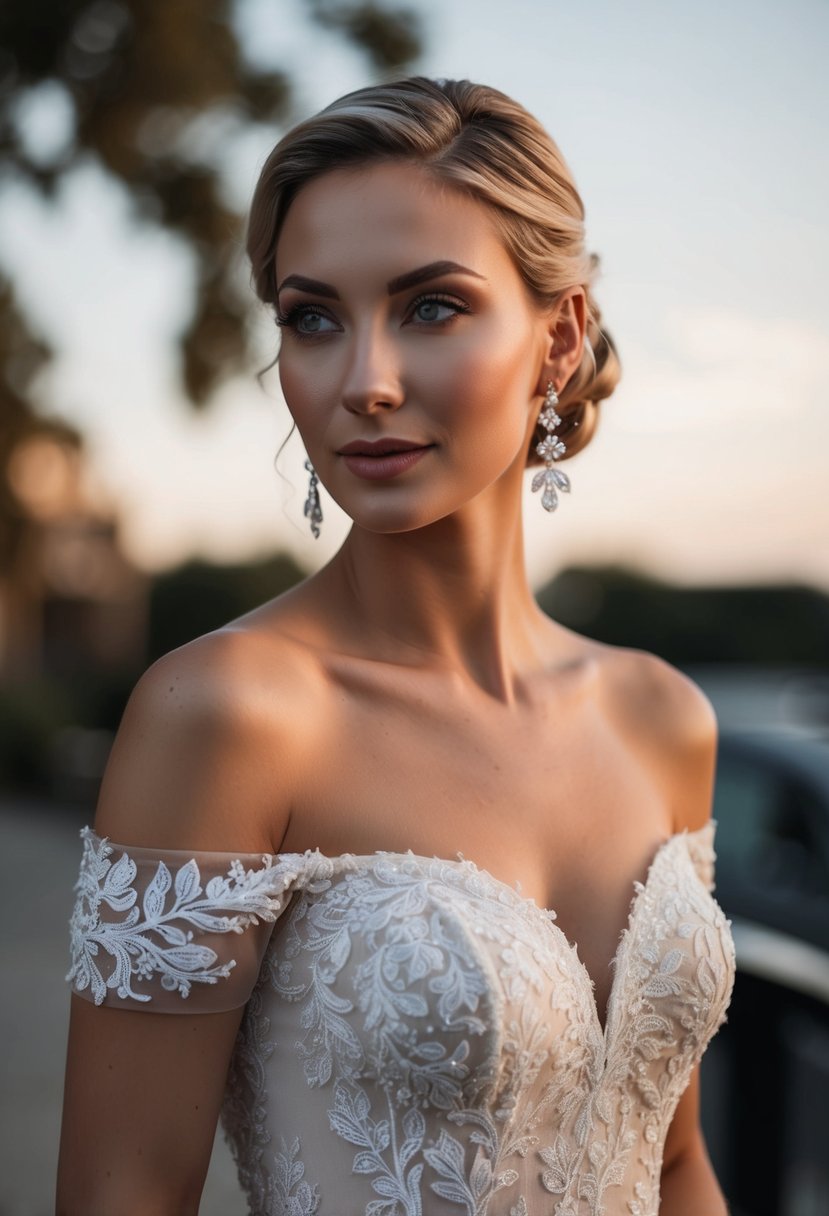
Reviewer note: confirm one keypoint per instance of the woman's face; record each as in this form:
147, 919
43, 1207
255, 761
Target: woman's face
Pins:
405, 320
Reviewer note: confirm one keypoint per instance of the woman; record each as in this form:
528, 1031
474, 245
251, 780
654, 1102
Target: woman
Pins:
324, 810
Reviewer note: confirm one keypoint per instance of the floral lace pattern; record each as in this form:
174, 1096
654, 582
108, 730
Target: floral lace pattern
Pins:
420, 1039
447, 1039
155, 937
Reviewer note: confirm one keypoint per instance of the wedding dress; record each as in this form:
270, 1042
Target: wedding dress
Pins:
418, 1039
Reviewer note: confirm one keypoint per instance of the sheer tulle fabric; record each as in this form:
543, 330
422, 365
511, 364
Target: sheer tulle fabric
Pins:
418, 1037
172, 931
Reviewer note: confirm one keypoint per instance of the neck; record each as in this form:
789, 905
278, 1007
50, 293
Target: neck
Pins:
452, 596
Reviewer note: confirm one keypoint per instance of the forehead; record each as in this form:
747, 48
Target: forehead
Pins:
379, 221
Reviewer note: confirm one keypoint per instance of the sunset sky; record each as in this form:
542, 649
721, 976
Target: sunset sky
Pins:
696, 134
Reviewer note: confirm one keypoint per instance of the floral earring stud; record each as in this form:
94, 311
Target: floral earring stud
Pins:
550, 449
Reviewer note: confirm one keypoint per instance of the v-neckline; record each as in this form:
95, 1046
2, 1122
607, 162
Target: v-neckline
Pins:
548, 914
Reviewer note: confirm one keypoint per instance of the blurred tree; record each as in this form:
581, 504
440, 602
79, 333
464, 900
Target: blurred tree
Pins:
686, 625
140, 77
22, 355
199, 596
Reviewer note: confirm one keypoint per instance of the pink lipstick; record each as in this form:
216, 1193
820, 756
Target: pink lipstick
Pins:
382, 458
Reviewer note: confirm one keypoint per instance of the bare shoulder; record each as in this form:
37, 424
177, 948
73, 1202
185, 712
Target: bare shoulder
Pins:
209, 747
667, 715
661, 695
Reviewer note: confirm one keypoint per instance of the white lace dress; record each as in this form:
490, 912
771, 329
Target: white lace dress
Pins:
419, 1039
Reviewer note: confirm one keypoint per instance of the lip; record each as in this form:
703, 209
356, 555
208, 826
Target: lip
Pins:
383, 465
379, 447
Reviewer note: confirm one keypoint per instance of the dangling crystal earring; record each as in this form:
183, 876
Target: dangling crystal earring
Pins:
550, 449
313, 510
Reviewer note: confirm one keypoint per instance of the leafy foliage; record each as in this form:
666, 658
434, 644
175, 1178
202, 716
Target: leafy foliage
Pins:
199, 596
139, 74
22, 355
142, 79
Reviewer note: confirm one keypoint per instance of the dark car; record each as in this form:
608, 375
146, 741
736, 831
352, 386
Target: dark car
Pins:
766, 1074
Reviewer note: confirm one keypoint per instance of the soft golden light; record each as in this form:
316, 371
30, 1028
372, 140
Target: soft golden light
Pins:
43, 476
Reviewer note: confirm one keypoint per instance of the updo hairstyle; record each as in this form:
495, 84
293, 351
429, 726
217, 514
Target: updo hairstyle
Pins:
491, 148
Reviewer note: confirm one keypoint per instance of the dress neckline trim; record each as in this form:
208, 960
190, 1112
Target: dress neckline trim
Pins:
618, 963
347, 858
619, 959
333, 863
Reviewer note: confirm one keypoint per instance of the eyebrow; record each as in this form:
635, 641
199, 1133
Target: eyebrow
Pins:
411, 279
313, 286
433, 271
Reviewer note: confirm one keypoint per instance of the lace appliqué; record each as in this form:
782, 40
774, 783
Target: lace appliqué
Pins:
449, 1039
290, 1194
676, 967
422, 1038
157, 937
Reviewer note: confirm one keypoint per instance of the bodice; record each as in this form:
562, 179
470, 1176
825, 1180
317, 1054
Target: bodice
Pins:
418, 1038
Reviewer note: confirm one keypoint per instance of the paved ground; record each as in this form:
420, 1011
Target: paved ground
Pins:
38, 865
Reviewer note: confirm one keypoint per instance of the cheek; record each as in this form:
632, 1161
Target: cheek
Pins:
486, 389
288, 382
302, 391
294, 383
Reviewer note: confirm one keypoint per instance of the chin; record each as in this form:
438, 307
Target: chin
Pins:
386, 517
392, 523
388, 509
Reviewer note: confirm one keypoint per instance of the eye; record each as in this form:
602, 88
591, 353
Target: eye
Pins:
306, 321
437, 310
309, 322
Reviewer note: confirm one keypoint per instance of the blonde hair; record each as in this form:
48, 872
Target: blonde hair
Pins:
490, 147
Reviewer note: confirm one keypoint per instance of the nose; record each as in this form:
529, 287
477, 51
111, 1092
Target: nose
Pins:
372, 383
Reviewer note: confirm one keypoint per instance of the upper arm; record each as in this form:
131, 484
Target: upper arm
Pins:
196, 765
676, 728
142, 1096
679, 722
670, 723
694, 751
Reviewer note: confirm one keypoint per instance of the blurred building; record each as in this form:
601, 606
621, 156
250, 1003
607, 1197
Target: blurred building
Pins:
71, 603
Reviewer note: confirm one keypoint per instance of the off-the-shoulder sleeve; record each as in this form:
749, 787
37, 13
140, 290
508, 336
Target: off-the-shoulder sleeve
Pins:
173, 931
701, 849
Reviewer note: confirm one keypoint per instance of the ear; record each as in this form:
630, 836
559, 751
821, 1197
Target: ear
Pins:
566, 327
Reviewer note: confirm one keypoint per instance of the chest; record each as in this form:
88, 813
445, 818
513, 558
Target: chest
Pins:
548, 797
416, 763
